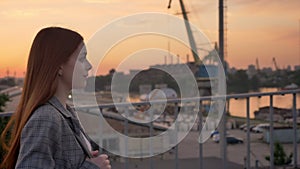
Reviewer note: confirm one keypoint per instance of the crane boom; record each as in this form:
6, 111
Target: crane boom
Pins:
257, 65
189, 31
275, 64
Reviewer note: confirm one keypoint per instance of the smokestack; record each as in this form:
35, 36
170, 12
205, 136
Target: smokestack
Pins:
187, 58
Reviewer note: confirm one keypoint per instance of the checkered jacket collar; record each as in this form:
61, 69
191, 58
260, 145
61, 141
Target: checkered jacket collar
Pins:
55, 102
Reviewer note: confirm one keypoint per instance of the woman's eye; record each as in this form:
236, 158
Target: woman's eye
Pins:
81, 59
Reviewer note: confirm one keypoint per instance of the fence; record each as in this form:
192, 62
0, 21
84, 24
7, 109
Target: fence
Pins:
222, 127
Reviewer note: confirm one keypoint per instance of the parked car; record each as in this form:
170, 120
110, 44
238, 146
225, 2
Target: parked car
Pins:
244, 127
216, 137
251, 128
229, 139
214, 133
260, 127
241, 127
233, 140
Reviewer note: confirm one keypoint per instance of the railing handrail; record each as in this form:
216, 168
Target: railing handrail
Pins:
202, 98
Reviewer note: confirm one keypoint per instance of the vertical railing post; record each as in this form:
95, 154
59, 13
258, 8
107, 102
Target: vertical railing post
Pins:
223, 139
100, 133
271, 135
248, 133
176, 134
256, 164
200, 136
295, 130
126, 138
150, 141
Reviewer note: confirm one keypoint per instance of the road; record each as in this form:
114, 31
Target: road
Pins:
189, 148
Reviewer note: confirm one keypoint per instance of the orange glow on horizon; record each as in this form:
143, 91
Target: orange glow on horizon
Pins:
256, 29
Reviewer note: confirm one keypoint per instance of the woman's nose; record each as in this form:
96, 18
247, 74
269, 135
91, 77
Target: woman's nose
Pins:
89, 65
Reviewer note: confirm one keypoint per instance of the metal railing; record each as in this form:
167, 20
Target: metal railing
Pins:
245, 96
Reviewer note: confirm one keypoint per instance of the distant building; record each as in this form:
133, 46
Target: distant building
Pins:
232, 70
19, 81
289, 68
172, 69
251, 71
279, 114
3, 87
267, 70
160, 86
134, 71
145, 89
281, 135
297, 67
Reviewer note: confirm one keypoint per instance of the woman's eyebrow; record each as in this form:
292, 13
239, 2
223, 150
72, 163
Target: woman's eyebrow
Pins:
83, 53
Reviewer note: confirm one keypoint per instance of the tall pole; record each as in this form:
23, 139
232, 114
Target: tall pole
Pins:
221, 31
221, 55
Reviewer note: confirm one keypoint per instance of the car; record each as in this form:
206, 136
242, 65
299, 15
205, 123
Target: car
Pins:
251, 128
214, 133
260, 127
244, 127
216, 137
241, 127
229, 139
233, 140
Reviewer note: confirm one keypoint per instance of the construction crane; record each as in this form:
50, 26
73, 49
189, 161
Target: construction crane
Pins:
275, 64
189, 31
205, 74
257, 65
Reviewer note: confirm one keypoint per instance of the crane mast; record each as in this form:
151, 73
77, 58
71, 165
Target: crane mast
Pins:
205, 74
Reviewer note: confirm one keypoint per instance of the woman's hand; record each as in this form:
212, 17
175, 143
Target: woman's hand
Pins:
100, 160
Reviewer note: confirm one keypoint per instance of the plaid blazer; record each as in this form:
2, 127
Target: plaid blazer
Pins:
52, 139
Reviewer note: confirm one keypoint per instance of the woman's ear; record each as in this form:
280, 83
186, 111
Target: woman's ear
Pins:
60, 71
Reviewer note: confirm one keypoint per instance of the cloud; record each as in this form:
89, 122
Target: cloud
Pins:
261, 7
100, 1
24, 13
292, 35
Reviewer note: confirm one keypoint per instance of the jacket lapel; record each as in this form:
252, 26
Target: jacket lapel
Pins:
73, 123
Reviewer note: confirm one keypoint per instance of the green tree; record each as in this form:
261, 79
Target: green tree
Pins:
3, 99
238, 82
254, 83
3, 120
295, 77
280, 157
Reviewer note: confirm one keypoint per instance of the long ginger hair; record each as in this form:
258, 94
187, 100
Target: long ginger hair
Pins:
51, 47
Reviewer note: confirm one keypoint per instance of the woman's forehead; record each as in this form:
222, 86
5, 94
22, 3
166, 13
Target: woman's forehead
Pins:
81, 50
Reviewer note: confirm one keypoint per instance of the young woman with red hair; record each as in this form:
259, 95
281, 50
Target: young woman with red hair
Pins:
45, 131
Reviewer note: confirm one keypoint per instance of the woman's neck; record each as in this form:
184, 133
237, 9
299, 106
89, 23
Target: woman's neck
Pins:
62, 95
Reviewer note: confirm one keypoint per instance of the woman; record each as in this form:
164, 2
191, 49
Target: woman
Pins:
45, 130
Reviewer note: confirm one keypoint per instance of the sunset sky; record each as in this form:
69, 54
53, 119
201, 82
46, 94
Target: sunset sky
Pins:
260, 29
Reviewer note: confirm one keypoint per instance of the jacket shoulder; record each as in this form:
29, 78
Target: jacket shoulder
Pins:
45, 111
47, 115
